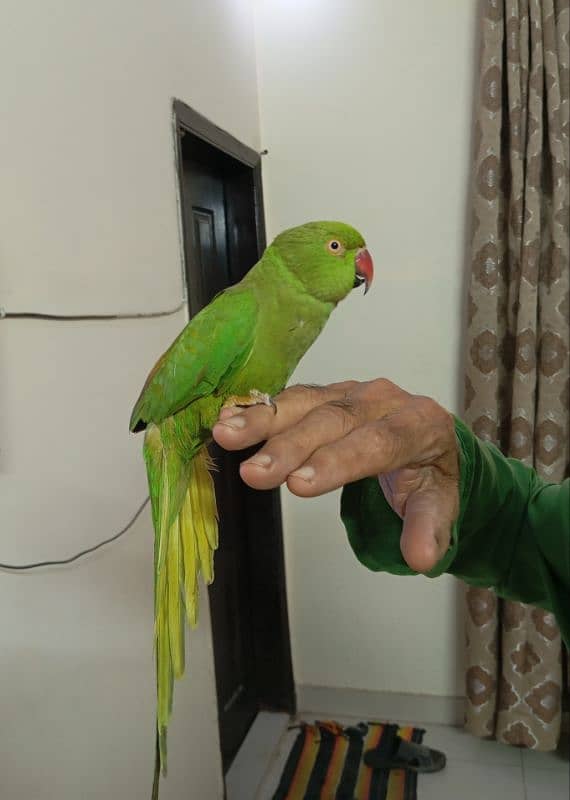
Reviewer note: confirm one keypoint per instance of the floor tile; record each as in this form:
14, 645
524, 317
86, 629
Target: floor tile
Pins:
559, 760
459, 745
553, 784
255, 755
270, 780
468, 780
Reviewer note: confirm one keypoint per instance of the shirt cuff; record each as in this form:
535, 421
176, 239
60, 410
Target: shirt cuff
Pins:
374, 529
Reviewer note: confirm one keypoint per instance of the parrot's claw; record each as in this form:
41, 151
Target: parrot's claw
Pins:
255, 398
262, 398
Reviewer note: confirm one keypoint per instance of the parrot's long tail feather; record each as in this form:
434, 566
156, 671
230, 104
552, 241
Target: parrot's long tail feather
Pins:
186, 534
156, 776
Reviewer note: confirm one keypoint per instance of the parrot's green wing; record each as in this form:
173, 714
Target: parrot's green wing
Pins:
214, 345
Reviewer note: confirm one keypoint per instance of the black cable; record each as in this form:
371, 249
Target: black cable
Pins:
76, 318
88, 317
82, 552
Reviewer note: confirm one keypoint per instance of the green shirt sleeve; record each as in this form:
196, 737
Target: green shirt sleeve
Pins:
512, 533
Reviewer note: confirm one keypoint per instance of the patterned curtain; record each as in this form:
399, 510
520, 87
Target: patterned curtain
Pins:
517, 359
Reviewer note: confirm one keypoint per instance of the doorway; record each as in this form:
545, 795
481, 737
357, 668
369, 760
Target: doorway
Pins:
224, 236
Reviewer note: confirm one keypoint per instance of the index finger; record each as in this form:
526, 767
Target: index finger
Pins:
238, 428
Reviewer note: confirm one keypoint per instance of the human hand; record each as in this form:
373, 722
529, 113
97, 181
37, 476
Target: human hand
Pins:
323, 437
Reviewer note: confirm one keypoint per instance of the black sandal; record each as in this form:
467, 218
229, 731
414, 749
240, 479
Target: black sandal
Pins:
406, 755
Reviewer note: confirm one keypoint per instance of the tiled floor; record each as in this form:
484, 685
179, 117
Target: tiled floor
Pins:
475, 769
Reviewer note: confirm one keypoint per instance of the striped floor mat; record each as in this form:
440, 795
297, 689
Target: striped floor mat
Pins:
325, 763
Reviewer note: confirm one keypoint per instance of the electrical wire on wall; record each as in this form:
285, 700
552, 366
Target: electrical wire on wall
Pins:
83, 318
88, 317
71, 559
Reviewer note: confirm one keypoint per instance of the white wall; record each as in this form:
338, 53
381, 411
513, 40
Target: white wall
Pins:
88, 223
365, 110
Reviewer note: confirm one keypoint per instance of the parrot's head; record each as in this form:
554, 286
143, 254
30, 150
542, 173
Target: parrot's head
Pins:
328, 258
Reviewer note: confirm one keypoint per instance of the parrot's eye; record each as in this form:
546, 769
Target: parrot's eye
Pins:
335, 247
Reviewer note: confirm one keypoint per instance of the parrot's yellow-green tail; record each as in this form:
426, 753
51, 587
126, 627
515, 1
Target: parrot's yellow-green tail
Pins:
186, 535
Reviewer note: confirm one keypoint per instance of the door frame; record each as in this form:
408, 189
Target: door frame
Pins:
187, 120
270, 623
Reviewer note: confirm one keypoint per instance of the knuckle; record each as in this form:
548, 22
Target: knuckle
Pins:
388, 441
448, 424
386, 386
429, 411
426, 405
344, 406
437, 423
349, 387
379, 385
300, 389
382, 390
341, 413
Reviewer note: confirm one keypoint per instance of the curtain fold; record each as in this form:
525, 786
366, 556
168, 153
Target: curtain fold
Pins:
518, 344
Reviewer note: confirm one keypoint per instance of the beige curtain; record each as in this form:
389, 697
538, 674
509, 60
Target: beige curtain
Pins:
516, 383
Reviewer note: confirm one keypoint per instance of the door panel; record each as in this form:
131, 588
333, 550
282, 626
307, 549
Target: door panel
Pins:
229, 595
208, 221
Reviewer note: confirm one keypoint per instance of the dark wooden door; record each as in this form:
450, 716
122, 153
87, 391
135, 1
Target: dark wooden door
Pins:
221, 213
230, 603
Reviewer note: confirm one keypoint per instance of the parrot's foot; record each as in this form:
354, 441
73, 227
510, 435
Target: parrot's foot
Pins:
255, 398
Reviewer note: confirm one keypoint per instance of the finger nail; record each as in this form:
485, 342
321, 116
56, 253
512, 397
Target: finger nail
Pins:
230, 411
236, 422
305, 473
260, 460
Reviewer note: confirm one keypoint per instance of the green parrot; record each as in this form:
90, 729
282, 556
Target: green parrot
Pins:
239, 350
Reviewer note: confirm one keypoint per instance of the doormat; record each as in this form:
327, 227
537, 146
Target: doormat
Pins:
325, 763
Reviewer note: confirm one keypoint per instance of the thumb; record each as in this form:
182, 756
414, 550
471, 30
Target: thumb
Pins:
427, 529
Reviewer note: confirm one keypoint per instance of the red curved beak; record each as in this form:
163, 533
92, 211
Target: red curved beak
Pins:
364, 268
